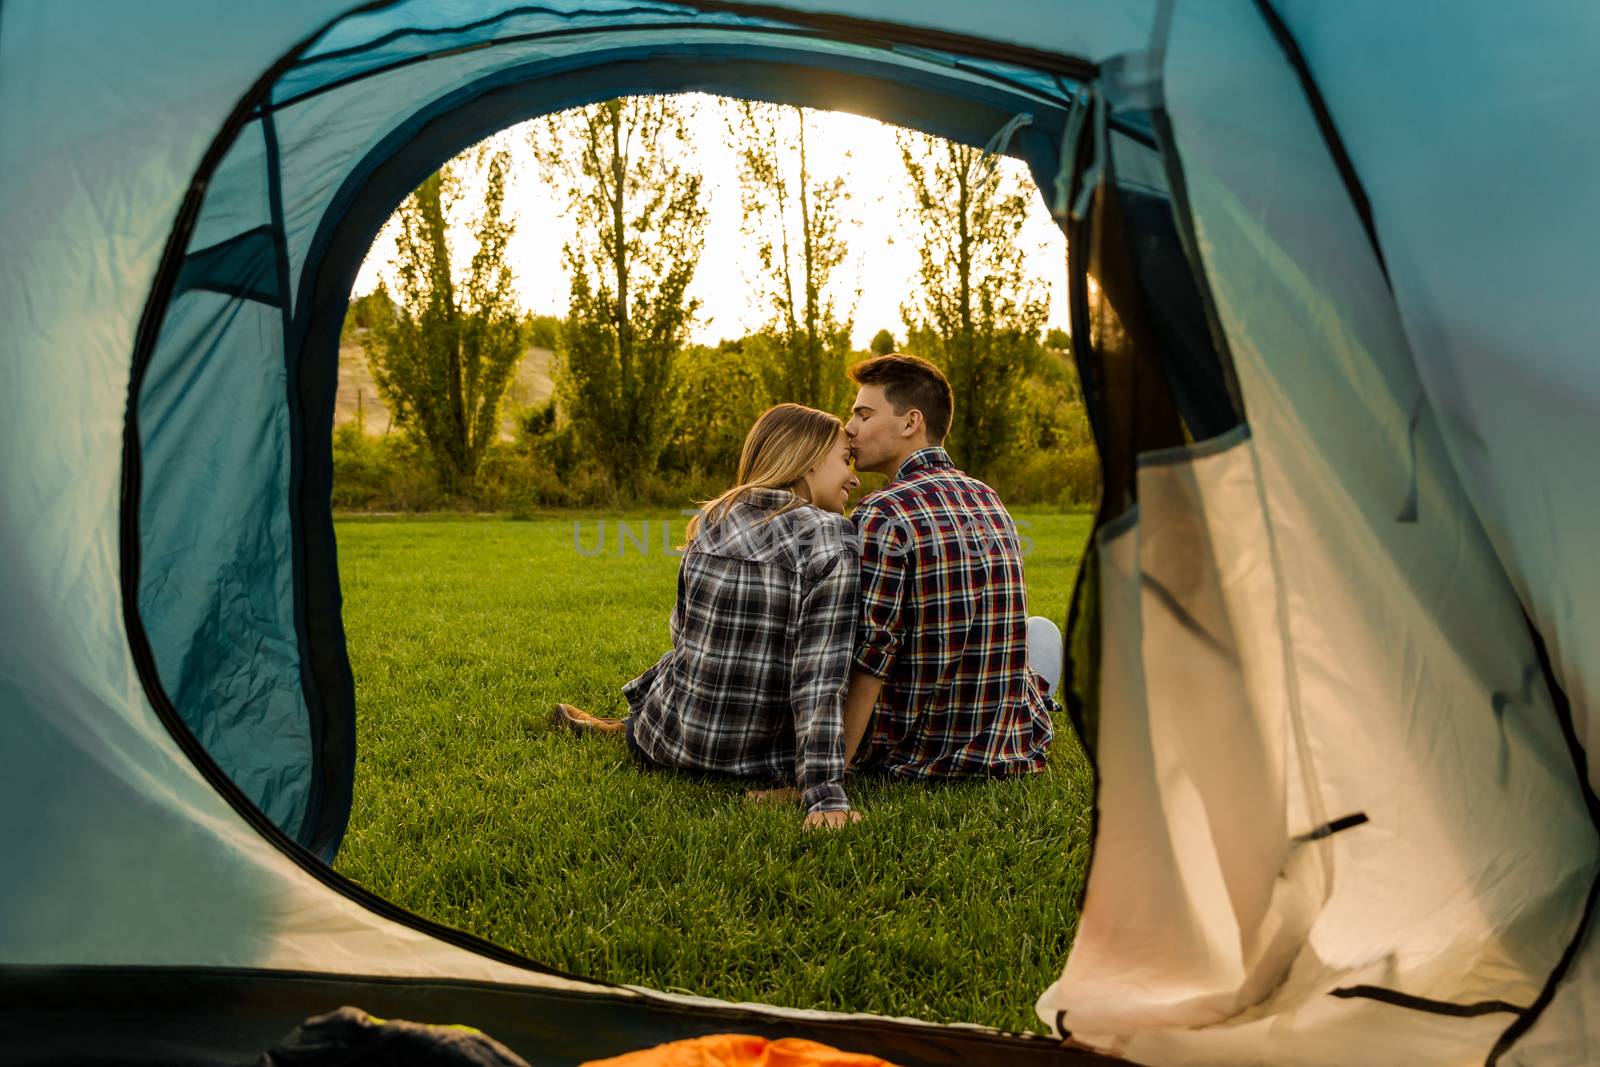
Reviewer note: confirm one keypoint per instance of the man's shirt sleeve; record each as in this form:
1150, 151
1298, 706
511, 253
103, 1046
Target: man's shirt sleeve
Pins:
820, 670
885, 549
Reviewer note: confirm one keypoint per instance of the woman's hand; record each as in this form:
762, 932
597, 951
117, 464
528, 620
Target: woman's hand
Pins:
831, 820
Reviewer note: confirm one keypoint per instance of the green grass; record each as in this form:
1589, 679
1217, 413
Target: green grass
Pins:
952, 903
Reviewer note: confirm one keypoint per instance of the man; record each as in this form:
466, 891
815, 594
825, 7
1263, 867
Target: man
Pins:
939, 684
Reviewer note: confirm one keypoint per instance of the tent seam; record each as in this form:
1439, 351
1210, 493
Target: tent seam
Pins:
311, 817
1330, 133
927, 37
581, 31
463, 27
1580, 765
265, 227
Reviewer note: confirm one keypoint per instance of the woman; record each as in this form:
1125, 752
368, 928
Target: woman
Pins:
764, 624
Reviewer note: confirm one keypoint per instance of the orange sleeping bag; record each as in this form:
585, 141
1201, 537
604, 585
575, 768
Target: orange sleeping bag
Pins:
741, 1050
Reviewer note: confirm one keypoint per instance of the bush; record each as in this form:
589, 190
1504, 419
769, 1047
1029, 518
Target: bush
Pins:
1052, 458
542, 436
544, 331
719, 392
381, 473
681, 489
511, 480
393, 474
1064, 478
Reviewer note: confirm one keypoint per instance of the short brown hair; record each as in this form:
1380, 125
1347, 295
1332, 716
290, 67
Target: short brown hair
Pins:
910, 382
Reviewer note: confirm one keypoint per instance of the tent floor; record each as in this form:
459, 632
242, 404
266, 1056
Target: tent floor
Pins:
207, 1016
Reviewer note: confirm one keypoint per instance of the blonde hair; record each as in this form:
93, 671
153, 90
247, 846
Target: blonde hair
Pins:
786, 442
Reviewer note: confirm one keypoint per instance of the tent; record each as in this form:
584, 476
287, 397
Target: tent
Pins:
1334, 652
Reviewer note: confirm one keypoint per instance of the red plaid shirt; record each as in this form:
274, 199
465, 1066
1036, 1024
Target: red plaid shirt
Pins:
944, 623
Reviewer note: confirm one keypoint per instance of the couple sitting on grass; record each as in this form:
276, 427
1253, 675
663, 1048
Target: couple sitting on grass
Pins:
804, 642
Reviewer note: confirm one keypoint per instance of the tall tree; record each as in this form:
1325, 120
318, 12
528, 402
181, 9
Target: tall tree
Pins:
795, 218
444, 355
640, 231
977, 314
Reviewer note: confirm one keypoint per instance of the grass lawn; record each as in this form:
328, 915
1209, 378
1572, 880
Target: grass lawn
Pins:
952, 903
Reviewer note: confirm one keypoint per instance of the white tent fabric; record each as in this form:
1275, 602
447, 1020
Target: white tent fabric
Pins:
1194, 847
1214, 931
1414, 477
1564, 1031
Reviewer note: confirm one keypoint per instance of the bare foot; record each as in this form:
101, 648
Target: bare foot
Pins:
831, 820
568, 717
785, 795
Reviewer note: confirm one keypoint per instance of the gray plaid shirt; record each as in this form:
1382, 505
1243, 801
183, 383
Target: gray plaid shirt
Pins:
762, 634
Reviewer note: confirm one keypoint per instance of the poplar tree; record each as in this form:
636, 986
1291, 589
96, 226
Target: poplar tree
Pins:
976, 313
640, 229
794, 217
445, 348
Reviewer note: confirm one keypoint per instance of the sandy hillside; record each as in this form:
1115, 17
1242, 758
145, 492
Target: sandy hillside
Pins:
532, 386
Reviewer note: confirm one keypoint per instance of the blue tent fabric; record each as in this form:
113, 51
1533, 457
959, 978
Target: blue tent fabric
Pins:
1376, 338
1491, 267
245, 266
410, 34
216, 596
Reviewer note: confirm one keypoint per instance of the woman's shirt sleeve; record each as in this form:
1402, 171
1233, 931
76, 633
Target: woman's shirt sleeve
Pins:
830, 608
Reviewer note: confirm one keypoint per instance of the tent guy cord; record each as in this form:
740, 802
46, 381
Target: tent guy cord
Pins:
1069, 141
1088, 111
1001, 141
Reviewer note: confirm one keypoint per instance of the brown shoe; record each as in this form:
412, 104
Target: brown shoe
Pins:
567, 717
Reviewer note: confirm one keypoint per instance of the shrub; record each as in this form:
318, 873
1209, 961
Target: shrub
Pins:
388, 473
1064, 478
719, 394
361, 471
543, 436
543, 331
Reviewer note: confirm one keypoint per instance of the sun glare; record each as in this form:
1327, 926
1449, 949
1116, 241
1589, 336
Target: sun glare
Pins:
882, 261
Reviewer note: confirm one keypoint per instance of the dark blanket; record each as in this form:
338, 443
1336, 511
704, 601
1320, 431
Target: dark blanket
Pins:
350, 1037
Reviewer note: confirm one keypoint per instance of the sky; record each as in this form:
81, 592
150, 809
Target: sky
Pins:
881, 239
